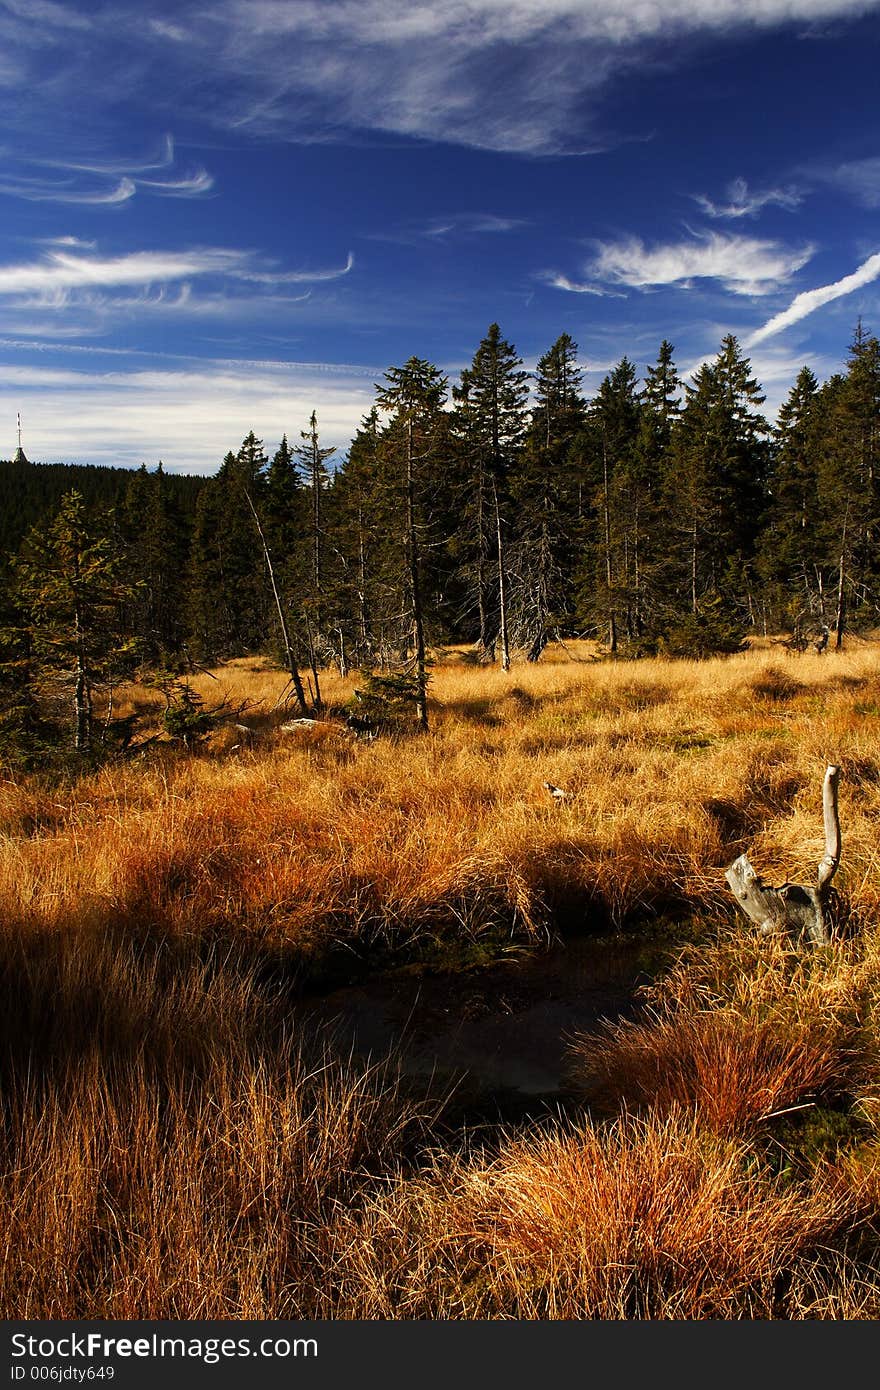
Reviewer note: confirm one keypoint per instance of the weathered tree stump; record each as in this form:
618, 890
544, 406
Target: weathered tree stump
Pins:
799, 909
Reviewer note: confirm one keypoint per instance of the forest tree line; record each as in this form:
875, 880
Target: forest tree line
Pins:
503, 510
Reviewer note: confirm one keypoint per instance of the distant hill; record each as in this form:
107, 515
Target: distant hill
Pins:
31, 491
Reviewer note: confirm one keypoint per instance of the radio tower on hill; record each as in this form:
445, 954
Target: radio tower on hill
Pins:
20, 456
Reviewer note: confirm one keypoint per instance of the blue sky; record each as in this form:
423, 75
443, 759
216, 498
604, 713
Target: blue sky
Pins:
218, 218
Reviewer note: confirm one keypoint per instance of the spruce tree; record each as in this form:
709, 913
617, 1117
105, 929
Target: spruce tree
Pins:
794, 541
24, 734
615, 417
661, 395
714, 492
849, 485
73, 590
231, 597
544, 491
491, 423
156, 549
363, 543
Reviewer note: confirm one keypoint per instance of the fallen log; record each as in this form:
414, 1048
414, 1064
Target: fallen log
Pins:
799, 909
305, 726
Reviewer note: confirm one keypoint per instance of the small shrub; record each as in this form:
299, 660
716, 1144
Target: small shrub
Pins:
186, 718
711, 631
387, 702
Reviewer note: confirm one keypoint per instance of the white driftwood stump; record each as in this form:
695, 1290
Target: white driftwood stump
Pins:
796, 908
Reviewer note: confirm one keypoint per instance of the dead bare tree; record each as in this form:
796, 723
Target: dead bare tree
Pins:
293, 668
799, 909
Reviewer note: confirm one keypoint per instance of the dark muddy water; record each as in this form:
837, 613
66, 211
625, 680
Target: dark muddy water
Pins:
501, 1030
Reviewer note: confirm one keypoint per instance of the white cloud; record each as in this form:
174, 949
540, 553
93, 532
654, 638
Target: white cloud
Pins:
745, 202
189, 416
296, 277
164, 159
562, 282
401, 21
165, 30
34, 191
64, 270
68, 241
189, 186
470, 223
444, 227
860, 178
434, 69
810, 300
47, 13
314, 68
122, 179
743, 265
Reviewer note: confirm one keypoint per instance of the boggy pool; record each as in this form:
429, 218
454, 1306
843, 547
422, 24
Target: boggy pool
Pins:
500, 1030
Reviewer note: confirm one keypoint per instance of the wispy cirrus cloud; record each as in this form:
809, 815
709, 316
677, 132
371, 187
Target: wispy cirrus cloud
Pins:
471, 224
62, 269
558, 281
860, 178
743, 265
449, 227
811, 300
163, 157
741, 201
99, 182
189, 186
69, 270
46, 13
317, 69
40, 191
295, 277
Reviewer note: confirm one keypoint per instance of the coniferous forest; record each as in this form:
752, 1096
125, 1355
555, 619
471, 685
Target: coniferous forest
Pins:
504, 510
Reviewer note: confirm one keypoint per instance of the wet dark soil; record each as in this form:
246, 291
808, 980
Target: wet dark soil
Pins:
501, 1031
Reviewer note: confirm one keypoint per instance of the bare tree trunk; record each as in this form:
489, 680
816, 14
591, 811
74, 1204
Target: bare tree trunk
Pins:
487, 643
83, 710
609, 578
315, 468
637, 571
313, 663
363, 613
82, 695
541, 589
694, 565
841, 578
292, 667
415, 589
502, 583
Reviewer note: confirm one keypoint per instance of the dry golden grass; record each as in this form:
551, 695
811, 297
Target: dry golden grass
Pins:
170, 1149
672, 768
643, 1219
731, 1069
